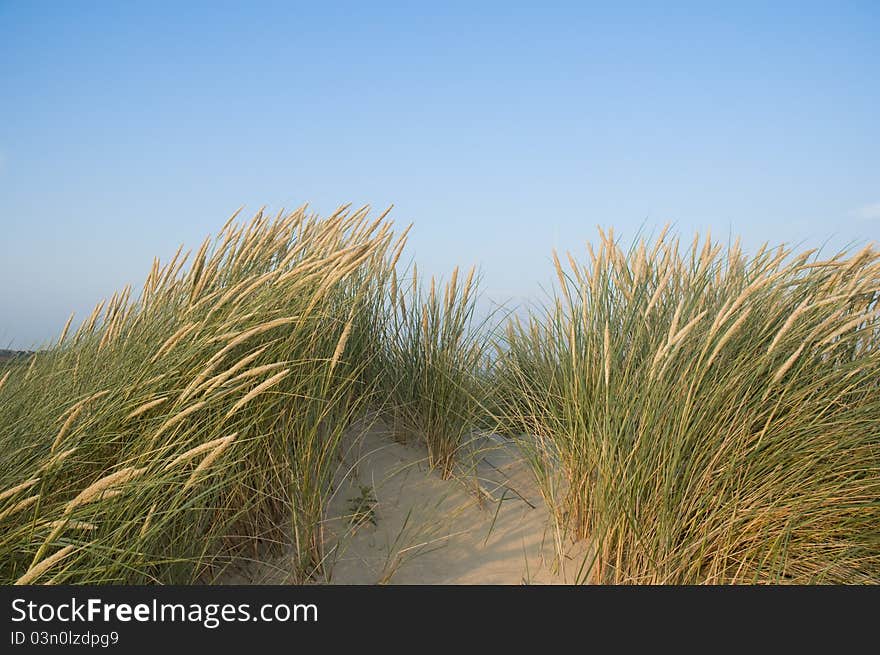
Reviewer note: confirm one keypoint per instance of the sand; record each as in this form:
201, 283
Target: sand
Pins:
394, 521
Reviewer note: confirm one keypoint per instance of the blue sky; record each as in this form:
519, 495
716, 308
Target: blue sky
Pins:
501, 130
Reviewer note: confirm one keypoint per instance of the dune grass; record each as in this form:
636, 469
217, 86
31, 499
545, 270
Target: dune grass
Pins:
199, 422
432, 358
698, 415
702, 416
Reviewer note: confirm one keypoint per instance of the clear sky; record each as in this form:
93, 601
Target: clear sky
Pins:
502, 130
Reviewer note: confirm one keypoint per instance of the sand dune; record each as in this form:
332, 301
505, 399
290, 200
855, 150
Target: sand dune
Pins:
395, 521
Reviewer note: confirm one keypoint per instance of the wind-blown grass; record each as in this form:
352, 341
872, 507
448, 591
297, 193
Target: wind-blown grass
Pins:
199, 422
707, 417
700, 417
432, 358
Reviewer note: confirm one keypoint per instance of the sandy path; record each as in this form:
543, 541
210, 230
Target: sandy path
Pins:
416, 528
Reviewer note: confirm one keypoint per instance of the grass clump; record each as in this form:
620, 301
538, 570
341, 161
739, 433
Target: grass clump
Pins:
432, 359
703, 416
199, 422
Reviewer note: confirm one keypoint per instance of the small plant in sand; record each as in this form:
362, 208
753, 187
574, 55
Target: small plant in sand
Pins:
362, 508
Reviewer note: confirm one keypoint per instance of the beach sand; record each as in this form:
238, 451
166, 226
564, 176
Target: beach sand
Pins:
486, 525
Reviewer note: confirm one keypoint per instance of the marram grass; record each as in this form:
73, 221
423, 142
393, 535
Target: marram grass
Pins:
199, 422
707, 417
433, 351
697, 415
